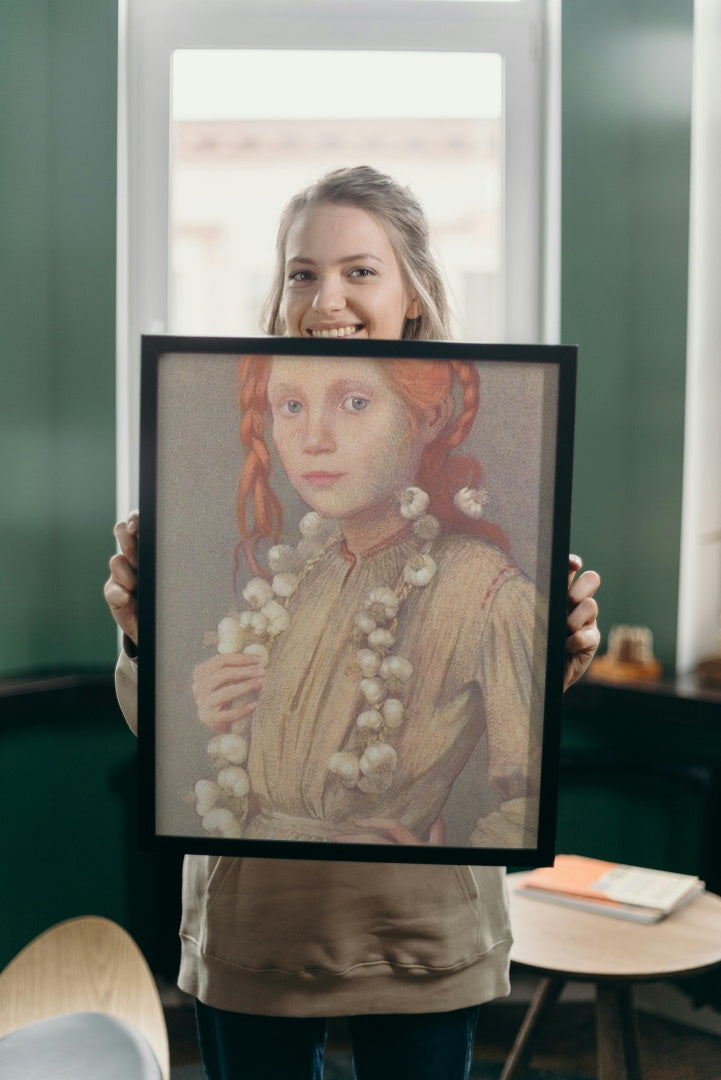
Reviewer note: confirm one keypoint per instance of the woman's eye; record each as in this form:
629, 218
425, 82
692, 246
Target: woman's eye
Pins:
362, 272
356, 403
291, 407
300, 276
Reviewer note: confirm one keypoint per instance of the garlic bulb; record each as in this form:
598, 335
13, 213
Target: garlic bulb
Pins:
345, 765
414, 502
370, 720
257, 593
228, 749
233, 781
207, 795
221, 822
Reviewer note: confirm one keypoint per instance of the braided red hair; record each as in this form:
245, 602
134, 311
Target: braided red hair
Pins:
421, 384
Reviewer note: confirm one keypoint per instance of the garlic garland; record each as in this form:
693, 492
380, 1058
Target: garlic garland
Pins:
370, 764
223, 804
384, 675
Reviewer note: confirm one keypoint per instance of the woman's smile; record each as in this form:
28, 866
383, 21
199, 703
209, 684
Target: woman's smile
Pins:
335, 331
342, 277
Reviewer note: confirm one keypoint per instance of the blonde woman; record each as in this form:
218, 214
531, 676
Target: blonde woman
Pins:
271, 949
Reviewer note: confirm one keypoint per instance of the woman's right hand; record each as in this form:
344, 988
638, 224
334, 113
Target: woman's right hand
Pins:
226, 689
121, 587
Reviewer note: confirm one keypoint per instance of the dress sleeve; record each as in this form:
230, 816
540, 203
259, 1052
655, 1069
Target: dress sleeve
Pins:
511, 671
126, 689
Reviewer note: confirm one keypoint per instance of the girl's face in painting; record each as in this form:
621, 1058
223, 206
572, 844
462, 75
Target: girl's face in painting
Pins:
345, 438
342, 277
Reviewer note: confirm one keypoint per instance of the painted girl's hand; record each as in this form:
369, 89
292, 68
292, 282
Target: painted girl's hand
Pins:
226, 689
389, 831
120, 589
583, 635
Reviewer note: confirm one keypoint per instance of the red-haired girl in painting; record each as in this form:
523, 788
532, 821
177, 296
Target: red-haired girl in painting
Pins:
375, 653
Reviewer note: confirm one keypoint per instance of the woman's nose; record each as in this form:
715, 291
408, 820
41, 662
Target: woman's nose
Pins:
319, 434
329, 296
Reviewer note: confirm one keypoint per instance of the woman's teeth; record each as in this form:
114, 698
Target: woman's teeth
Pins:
337, 331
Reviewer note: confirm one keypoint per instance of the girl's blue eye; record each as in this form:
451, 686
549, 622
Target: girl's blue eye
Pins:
356, 403
292, 407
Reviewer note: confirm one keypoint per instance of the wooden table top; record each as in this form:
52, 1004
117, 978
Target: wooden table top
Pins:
560, 940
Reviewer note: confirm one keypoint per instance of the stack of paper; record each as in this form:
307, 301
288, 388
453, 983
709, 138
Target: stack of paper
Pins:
624, 892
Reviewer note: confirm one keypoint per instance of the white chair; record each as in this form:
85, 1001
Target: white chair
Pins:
80, 1002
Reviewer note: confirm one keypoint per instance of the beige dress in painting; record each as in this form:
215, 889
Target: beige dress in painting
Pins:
475, 636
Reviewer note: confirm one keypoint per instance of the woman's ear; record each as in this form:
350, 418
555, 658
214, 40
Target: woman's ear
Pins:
415, 309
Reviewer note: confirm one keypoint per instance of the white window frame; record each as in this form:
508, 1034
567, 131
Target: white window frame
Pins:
526, 34
699, 597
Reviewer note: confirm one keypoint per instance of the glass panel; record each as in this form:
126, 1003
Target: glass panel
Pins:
250, 128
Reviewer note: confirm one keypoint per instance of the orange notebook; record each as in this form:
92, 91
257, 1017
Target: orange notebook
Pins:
631, 892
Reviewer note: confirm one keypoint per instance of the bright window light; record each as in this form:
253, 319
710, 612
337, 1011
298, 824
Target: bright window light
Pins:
251, 127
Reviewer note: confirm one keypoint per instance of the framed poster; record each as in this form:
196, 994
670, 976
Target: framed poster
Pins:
352, 597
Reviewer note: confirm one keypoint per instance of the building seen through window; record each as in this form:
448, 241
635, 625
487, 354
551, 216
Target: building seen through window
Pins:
231, 175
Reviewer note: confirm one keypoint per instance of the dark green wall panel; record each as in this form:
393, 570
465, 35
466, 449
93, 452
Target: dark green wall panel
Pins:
58, 77
626, 145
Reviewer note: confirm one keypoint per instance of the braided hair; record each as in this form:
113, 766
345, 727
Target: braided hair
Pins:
442, 471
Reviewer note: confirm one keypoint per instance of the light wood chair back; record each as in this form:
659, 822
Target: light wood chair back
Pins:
87, 964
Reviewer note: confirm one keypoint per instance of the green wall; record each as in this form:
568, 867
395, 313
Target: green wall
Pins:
626, 146
58, 72
626, 136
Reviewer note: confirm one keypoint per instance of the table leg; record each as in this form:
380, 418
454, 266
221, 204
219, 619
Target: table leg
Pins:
545, 997
617, 1033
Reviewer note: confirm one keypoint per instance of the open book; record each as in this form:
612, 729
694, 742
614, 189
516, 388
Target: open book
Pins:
608, 888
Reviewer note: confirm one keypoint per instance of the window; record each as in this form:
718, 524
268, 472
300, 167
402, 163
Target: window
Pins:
227, 107
236, 157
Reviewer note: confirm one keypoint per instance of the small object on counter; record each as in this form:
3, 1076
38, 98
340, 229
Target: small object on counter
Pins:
629, 657
708, 670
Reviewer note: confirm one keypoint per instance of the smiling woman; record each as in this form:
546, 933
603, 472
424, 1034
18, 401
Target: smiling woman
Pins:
353, 259
343, 277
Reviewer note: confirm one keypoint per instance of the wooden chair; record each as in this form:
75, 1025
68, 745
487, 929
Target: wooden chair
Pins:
90, 972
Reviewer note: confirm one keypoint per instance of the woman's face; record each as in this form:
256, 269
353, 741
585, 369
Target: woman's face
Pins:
344, 435
342, 277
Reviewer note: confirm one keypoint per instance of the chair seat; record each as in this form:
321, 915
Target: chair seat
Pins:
78, 1046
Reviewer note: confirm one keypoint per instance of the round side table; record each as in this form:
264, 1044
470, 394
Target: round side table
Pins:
563, 944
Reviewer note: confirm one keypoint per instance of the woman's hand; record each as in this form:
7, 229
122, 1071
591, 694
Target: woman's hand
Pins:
226, 689
120, 589
583, 635
389, 831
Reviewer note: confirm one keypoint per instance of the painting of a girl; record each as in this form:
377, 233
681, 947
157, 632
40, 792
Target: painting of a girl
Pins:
375, 653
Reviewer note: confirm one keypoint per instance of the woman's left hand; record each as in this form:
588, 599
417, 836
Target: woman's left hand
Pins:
583, 635
389, 831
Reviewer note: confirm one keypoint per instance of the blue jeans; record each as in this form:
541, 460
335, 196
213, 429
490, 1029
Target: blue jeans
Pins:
413, 1046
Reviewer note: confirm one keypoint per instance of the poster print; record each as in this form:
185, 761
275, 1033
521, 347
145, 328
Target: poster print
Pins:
353, 572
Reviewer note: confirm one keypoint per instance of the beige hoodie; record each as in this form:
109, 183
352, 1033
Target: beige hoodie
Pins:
325, 938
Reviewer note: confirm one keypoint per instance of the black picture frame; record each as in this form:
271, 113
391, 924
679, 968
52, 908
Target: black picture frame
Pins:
192, 568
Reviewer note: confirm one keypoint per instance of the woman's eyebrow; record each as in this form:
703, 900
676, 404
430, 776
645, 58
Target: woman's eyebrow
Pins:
363, 256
